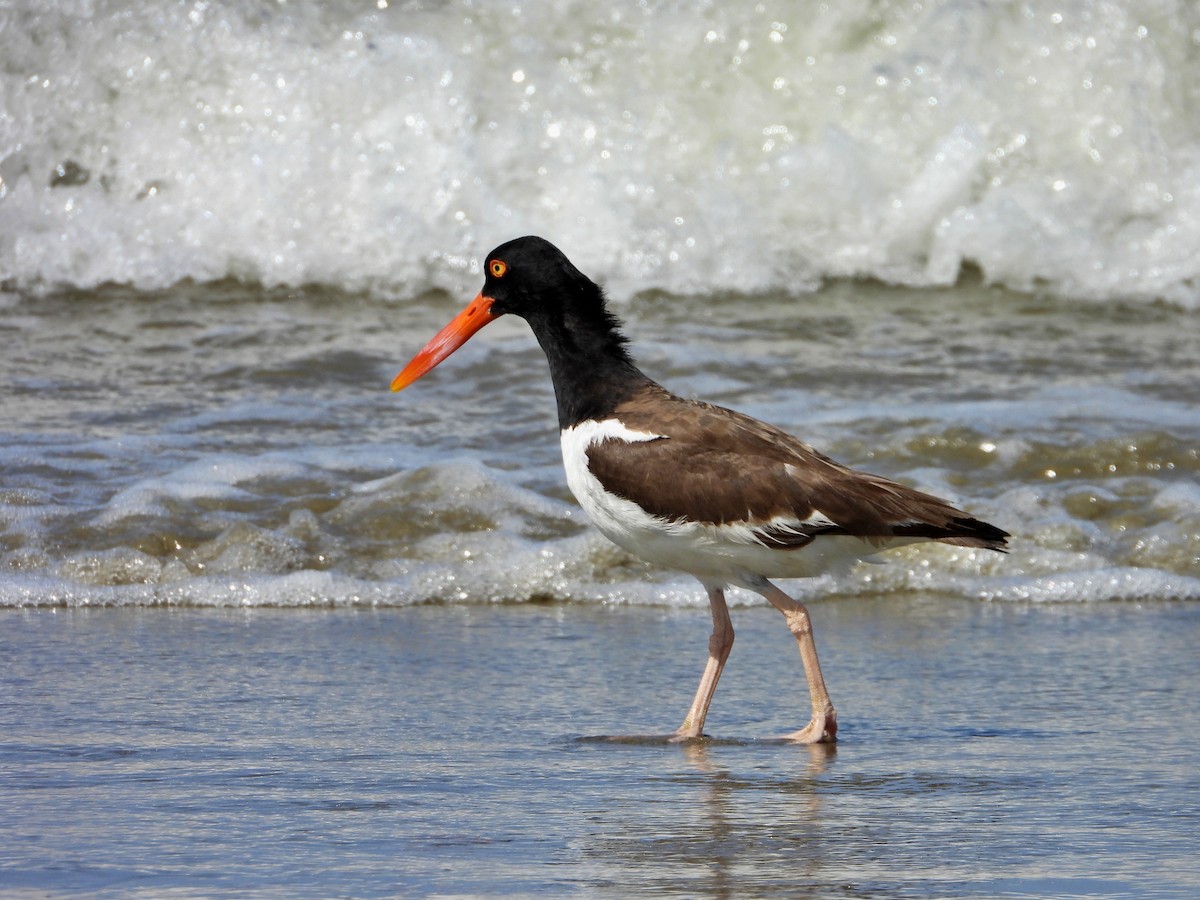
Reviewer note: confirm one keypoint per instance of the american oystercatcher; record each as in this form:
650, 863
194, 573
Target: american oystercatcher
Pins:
688, 485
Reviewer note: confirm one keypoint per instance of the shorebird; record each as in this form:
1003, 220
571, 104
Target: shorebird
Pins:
688, 485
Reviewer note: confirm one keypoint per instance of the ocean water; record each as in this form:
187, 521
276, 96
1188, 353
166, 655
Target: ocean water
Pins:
245, 591
226, 445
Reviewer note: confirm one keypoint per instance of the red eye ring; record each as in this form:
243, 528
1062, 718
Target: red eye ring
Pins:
497, 267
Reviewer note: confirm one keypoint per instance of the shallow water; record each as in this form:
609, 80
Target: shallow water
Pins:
986, 750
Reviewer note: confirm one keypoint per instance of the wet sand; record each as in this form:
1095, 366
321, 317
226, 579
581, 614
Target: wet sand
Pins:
986, 750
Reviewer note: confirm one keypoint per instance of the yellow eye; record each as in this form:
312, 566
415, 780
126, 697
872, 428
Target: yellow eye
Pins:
497, 267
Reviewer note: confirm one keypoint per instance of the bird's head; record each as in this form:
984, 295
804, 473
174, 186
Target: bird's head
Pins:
527, 277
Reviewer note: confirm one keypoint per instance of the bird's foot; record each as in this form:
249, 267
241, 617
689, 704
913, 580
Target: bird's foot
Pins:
683, 734
675, 737
821, 730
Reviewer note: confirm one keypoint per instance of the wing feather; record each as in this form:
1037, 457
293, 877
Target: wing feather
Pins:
720, 467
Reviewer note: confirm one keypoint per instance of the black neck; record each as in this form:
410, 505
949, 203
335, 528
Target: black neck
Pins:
590, 367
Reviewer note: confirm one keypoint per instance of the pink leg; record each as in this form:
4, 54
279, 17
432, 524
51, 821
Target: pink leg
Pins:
719, 645
822, 729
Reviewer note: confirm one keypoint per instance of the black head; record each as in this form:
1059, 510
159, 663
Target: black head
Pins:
531, 278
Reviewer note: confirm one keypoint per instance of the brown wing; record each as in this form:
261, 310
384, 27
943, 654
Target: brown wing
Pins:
721, 467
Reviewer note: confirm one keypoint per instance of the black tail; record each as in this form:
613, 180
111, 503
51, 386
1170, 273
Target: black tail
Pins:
962, 531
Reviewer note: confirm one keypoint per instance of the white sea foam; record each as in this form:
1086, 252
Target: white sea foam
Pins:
734, 147
461, 532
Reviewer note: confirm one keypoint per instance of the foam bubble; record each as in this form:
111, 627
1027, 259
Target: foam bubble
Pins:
730, 148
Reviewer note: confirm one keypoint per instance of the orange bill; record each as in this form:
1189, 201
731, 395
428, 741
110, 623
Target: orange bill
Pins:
459, 330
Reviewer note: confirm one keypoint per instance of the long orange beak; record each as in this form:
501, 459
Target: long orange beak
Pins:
459, 330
